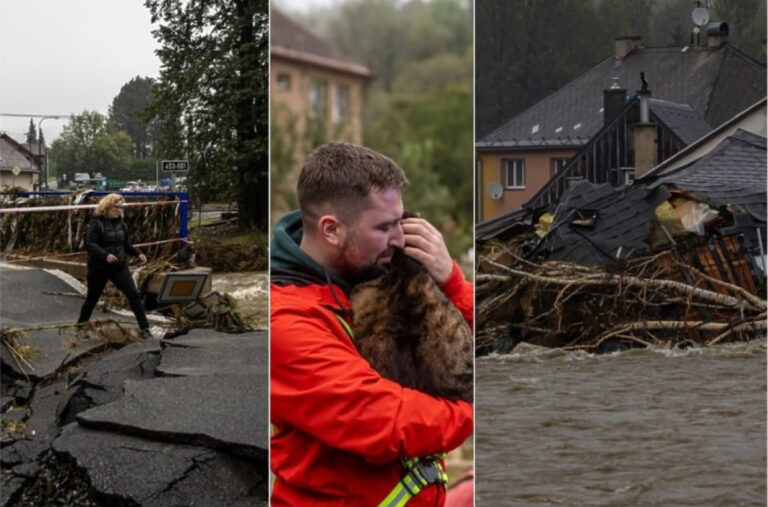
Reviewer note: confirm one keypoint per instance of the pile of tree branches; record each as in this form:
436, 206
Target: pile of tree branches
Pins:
63, 231
627, 304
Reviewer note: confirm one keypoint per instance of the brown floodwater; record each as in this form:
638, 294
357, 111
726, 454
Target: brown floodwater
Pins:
641, 427
250, 289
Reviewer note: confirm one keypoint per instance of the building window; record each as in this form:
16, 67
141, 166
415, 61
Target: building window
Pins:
318, 99
514, 171
283, 81
557, 165
341, 104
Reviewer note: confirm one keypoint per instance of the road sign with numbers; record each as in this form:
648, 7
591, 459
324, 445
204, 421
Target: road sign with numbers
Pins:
174, 166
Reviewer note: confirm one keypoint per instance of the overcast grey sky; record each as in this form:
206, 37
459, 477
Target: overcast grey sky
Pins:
67, 56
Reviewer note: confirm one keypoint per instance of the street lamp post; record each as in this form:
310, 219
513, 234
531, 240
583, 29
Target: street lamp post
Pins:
43, 165
44, 160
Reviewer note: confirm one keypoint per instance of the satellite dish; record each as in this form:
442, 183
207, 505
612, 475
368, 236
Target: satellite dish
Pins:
494, 190
700, 16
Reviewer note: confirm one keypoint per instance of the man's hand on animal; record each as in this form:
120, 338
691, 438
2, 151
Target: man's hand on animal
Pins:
424, 243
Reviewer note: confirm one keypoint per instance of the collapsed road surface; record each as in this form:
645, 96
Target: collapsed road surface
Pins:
95, 422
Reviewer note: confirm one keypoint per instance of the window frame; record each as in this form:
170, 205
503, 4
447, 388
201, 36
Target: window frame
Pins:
318, 99
517, 164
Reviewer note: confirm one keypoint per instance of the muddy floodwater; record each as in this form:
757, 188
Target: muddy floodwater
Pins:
251, 290
640, 427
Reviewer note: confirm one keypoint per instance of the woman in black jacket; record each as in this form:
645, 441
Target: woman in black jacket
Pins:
107, 244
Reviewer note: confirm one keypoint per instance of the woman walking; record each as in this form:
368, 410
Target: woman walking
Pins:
107, 244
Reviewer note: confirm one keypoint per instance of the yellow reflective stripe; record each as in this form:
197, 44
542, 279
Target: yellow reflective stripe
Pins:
345, 325
400, 495
407, 487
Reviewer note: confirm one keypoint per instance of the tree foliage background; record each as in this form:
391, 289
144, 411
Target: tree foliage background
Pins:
528, 49
211, 98
90, 143
419, 106
128, 112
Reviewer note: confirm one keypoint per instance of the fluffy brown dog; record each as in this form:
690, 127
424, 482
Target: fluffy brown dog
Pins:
411, 333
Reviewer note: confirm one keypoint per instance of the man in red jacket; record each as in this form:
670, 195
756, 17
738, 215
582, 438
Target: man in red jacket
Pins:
343, 435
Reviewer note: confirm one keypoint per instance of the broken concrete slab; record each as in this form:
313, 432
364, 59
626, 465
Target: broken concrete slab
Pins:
42, 426
54, 354
199, 337
218, 411
32, 303
101, 381
136, 471
215, 353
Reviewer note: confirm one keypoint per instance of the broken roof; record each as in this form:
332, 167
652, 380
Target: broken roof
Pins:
621, 218
291, 40
732, 174
717, 84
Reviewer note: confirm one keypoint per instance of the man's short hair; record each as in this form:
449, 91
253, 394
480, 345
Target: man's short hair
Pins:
337, 177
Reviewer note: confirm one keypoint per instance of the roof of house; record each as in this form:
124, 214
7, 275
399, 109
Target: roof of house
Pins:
733, 174
716, 83
291, 40
749, 119
684, 121
14, 154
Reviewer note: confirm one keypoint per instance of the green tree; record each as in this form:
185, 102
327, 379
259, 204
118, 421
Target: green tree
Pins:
211, 97
127, 113
89, 143
31, 133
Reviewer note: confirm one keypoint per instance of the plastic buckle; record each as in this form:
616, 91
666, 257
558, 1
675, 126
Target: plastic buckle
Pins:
429, 470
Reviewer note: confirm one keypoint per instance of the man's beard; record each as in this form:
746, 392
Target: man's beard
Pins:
358, 274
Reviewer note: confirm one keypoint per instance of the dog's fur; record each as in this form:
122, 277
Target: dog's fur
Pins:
411, 333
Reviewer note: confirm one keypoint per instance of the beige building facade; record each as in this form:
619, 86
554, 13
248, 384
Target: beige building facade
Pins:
317, 95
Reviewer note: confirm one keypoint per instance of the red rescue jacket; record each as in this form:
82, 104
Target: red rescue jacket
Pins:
340, 429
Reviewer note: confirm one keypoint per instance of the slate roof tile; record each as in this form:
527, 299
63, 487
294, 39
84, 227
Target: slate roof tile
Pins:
717, 84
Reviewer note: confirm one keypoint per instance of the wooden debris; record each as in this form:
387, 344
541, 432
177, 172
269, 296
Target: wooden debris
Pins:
655, 300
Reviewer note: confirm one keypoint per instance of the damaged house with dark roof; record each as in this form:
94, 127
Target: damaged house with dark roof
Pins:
715, 81
653, 232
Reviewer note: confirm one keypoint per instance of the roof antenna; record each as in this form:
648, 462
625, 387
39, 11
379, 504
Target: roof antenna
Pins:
700, 17
644, 88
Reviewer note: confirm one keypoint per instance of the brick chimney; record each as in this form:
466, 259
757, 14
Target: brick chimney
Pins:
614, 99
717, 34
623, 44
